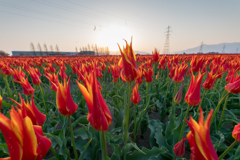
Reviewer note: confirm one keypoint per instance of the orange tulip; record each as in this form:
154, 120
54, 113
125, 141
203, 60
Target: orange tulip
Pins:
18, 74
180, 73
115, 72
99, 114
63, 74
135, 98
53, 78
139, 80
179, 148
32, 112
35, 77
193, 94
234, 85
7, 70
209, 82
128, 63
64, 101
236, 132
148, 73
24, 140
199, 138
27, 88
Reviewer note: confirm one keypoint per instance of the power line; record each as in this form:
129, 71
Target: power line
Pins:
43, 13
124, 19
44, 19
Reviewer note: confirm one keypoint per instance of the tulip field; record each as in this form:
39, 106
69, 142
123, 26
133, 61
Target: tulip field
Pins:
120, 107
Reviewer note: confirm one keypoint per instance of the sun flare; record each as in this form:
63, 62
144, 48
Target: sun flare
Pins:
112, 35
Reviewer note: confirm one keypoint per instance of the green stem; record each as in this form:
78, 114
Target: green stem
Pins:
223, 112
126, 118
7, 84
147, 88
13, 84
228, 149
216, 109
54, 152
173, 103
202, 101
104, 144
174, 157
43, 98
184, 123
135, 123
165, 99
214, 88
73, 141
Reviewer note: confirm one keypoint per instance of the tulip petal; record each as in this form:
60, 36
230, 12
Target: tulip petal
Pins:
14, 147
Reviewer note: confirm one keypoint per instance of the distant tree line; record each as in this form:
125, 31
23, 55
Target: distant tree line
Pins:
3, 53
45, 48
98, 50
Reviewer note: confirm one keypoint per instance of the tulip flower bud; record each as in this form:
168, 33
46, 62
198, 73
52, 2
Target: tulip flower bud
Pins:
179, 148
193, 94
178, 96
135, 98
236, 132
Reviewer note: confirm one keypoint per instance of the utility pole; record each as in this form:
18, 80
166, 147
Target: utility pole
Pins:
166, 49
201, 46
223, 48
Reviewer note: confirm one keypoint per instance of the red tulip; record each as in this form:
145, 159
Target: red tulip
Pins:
209, 82
99, 115
199, 138
7, 70
135, 98
128, 64
236, 132
180, 73
27, 88
192, 97
64, 101
234, 85
35, 77
18, 74
24, 140
54, 80
115, 72
178, 96
155, 56
179, 148
32, 112
139, 80
148, 73
63, 74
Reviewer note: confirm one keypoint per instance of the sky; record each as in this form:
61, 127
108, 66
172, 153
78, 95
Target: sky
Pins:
77, 23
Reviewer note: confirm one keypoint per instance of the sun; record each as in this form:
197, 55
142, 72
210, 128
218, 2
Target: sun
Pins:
112, 35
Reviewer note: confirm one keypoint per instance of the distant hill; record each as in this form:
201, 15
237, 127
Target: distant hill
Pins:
206, 48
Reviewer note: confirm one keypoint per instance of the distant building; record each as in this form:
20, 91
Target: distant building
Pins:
86, 53
43, 53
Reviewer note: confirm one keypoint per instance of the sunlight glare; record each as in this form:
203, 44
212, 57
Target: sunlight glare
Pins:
112, 35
